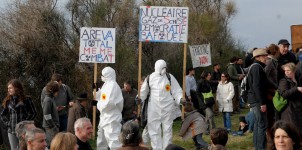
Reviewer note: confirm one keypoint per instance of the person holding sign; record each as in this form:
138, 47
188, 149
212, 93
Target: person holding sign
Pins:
110, 106
163, 95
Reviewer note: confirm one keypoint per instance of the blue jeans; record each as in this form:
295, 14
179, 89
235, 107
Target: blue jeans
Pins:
241, 103
199, 142
13, 141
227, 120
63, 122
260, 125
250, 120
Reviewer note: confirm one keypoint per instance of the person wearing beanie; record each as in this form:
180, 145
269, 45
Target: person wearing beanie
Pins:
286, 56
243, 125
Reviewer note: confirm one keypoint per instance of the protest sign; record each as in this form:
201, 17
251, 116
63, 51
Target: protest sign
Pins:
163, 24
201, 55
97, 45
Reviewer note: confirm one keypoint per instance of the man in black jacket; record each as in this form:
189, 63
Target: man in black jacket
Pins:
286, 56
257, 97
83, 132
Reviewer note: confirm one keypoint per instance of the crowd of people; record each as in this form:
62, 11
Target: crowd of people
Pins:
19, 111
66, 124
266, 70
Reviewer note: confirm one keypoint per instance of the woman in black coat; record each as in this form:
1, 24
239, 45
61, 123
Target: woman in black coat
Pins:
289, 90
204, 86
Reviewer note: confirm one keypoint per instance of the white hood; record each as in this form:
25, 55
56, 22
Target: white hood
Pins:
108, 74
159, 66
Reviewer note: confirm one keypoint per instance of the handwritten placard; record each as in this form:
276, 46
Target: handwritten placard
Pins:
97, 45
163, 24
201, 55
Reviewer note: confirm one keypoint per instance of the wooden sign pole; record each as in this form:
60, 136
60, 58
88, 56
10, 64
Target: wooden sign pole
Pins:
139, 75
184, 78
94, 97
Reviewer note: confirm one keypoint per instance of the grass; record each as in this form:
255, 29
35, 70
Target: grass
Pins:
234, 142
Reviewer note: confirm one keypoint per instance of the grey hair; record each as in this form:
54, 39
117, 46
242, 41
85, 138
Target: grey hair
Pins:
30, 134
80, 123
21, 128
130, 134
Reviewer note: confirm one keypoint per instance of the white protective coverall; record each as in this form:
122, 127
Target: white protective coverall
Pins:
110, 106
161, 105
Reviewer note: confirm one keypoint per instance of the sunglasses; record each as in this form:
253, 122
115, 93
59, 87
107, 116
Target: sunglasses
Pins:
222, 76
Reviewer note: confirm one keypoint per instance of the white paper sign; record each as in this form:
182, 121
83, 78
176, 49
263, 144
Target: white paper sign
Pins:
201, 55
163, 24
97, 45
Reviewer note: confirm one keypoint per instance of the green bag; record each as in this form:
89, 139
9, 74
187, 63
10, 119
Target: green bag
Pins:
279, 102
208, 98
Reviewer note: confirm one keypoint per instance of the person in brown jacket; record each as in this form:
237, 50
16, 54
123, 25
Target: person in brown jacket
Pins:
193, 126
78, 110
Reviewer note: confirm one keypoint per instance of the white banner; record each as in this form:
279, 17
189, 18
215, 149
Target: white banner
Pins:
163, 24
201, 55
97, 45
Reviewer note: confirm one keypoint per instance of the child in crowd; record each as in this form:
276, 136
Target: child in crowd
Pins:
243, 126
193, 126
224, 95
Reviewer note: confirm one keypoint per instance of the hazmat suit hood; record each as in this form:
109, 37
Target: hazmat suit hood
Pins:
163, 104
160, 67
110, 104
108, 74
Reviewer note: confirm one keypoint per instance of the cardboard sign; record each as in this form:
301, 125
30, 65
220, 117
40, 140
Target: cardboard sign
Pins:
97, 45
201, 55
163, 24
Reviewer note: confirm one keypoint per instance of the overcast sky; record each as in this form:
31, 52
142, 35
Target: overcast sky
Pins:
259, 23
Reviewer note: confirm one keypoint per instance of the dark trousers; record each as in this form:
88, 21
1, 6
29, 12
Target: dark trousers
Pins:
50, 134
63, 122
270, 109
4, 136
235, 100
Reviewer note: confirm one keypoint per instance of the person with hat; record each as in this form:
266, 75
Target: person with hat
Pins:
286, 56
78, 110
257, 97
243, 126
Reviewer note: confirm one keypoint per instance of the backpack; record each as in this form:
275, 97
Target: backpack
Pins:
144, 111
244, 85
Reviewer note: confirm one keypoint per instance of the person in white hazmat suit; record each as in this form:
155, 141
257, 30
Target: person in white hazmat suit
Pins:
161, 105
110, 105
